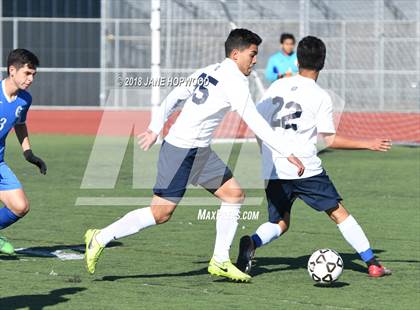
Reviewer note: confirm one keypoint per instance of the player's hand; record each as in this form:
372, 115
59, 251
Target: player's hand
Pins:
379, 144
147, 139
296, 161
30, 157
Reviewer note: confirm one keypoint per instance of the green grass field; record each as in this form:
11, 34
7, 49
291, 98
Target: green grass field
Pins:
165, 267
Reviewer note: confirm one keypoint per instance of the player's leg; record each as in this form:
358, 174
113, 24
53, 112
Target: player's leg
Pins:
279, 194
16, 204
265, 233
270, 231
320, 194
355, 236
217, 178
159, 212
174, 167
232, 197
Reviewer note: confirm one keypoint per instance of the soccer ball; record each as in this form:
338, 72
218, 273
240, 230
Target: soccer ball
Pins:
325, 266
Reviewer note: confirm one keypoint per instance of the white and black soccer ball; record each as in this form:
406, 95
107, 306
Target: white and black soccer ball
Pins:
325, 266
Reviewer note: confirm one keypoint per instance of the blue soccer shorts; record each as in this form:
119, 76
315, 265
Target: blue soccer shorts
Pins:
8, 180
179, 167
317, 191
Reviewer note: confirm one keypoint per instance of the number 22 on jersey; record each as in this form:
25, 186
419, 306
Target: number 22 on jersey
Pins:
285, 121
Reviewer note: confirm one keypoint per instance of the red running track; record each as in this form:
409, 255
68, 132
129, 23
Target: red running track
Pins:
402, 127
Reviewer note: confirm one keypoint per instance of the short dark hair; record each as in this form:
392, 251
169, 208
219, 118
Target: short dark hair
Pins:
21, 57
311, 53
241, 39
284, 36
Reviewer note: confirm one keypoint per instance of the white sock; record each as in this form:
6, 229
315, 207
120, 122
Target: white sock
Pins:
226, 224
268, 232
354, 234
129, 224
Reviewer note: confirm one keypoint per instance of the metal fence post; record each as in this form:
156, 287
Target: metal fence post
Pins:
102, 77
15, 33
343, 61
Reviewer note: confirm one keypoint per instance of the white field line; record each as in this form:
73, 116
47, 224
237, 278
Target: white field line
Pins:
140, 201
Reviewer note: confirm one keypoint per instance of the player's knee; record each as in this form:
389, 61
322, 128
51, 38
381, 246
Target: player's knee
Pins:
21, 207
237, 196
231, 192
163, 218
162, 214
338, 214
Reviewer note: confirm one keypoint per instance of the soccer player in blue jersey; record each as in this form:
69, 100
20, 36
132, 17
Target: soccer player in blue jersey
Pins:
284, 62
14, 105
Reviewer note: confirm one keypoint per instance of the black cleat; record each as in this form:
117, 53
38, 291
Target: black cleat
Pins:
246, 254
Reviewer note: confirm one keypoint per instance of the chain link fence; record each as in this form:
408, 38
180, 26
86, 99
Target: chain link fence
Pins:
373, 47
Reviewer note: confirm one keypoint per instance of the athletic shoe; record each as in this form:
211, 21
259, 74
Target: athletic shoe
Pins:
93, 250
227, 270
376, 271
6, 247
246, 254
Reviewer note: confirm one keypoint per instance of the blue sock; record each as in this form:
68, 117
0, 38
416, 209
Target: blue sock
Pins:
367, 255
257, 240
7, 217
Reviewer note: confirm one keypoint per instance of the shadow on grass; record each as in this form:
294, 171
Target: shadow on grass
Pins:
198, 272
39, 301
332, 285
191, 273
50, 251
351, 262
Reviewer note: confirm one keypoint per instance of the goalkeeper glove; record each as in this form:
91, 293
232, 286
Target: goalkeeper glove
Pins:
29, 156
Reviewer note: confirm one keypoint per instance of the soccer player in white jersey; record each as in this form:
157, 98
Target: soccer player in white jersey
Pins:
299, 111
186, 157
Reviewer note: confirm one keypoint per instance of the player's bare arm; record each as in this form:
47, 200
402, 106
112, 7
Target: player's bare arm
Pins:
339, 142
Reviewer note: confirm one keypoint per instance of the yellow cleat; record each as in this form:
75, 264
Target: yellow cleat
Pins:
93, 249
227, 270
6, 247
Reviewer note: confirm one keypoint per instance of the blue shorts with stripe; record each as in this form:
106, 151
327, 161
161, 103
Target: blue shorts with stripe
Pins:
317, 191
8, 180
179, 167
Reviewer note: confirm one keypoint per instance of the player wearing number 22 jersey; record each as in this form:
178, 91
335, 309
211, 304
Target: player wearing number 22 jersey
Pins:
186, 157
299, 111
14, 105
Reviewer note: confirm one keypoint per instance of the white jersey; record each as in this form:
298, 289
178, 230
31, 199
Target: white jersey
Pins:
225, 88
297, 109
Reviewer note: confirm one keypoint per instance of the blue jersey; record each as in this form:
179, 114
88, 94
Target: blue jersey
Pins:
12, 113
280, 63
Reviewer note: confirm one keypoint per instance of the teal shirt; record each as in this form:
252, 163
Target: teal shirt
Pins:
280, 63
